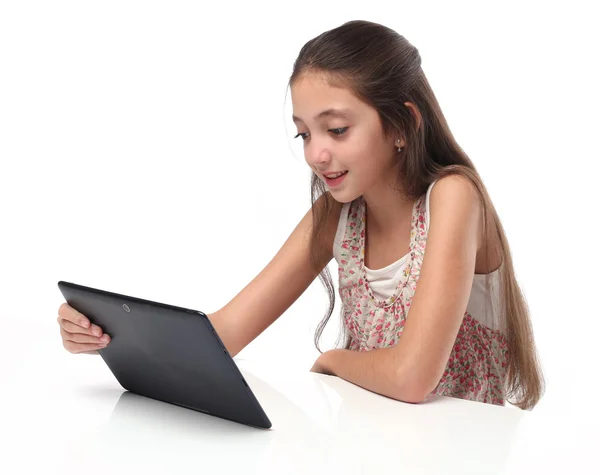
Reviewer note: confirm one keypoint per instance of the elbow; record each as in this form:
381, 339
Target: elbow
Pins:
412, 395
414, 390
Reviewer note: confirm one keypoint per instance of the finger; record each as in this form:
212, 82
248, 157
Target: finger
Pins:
82, 338
66, 312
72, 328
73, 347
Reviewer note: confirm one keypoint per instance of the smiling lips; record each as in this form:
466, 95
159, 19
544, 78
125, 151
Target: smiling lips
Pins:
333, 174
334, 182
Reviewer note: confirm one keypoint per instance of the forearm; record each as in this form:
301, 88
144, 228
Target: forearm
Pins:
375, 370
223, 330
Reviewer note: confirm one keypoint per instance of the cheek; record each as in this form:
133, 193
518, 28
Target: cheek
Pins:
359, 149
367, 155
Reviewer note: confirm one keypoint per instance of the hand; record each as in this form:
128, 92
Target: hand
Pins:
78, 334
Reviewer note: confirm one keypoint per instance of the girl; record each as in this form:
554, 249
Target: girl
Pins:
389, 181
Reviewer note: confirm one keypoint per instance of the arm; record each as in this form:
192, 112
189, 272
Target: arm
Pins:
277, 286
411, 369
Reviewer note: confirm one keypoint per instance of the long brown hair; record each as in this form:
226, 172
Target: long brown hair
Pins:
384, 70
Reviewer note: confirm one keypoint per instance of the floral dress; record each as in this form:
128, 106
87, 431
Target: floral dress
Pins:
476, 368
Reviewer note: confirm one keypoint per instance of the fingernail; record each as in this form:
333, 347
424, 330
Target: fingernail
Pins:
96, 331
85, 323
105, 338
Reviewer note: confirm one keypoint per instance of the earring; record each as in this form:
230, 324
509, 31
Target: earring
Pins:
399, 148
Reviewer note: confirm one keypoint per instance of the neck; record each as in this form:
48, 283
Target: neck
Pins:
387, 209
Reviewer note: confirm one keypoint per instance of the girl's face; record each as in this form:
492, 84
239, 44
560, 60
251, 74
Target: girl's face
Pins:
342, 133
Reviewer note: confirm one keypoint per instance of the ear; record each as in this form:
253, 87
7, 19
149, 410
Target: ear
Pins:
415, 112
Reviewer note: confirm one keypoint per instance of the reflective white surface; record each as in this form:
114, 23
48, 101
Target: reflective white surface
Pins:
77, 419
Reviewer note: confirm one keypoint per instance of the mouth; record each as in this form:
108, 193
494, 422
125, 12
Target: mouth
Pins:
335, 181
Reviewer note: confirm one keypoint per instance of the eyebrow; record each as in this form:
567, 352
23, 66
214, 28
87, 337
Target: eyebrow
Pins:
344, 113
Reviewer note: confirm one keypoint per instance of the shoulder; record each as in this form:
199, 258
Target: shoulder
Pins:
456, 188
454, 202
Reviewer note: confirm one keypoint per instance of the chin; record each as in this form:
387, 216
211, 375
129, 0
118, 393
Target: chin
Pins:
341, 197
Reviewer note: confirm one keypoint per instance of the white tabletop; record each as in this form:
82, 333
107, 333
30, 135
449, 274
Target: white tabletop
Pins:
78, 419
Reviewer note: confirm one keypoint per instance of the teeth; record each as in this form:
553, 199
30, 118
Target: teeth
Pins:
335, 176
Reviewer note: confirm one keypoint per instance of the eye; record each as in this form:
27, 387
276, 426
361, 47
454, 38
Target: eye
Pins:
340, 131
336, 132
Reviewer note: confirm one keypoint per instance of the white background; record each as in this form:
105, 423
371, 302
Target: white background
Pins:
146, 149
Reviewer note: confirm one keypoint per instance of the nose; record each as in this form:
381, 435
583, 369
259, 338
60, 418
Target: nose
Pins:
318, 159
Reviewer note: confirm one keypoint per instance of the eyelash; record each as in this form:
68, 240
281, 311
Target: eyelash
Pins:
342, 129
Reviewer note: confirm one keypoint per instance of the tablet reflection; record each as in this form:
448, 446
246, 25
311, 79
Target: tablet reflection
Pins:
144, 434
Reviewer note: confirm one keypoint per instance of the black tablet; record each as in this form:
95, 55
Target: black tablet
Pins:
168, 353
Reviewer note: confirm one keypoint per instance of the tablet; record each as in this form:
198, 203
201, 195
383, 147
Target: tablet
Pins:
168, 353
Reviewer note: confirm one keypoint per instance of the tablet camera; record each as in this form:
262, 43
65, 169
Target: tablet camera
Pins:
126, 307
